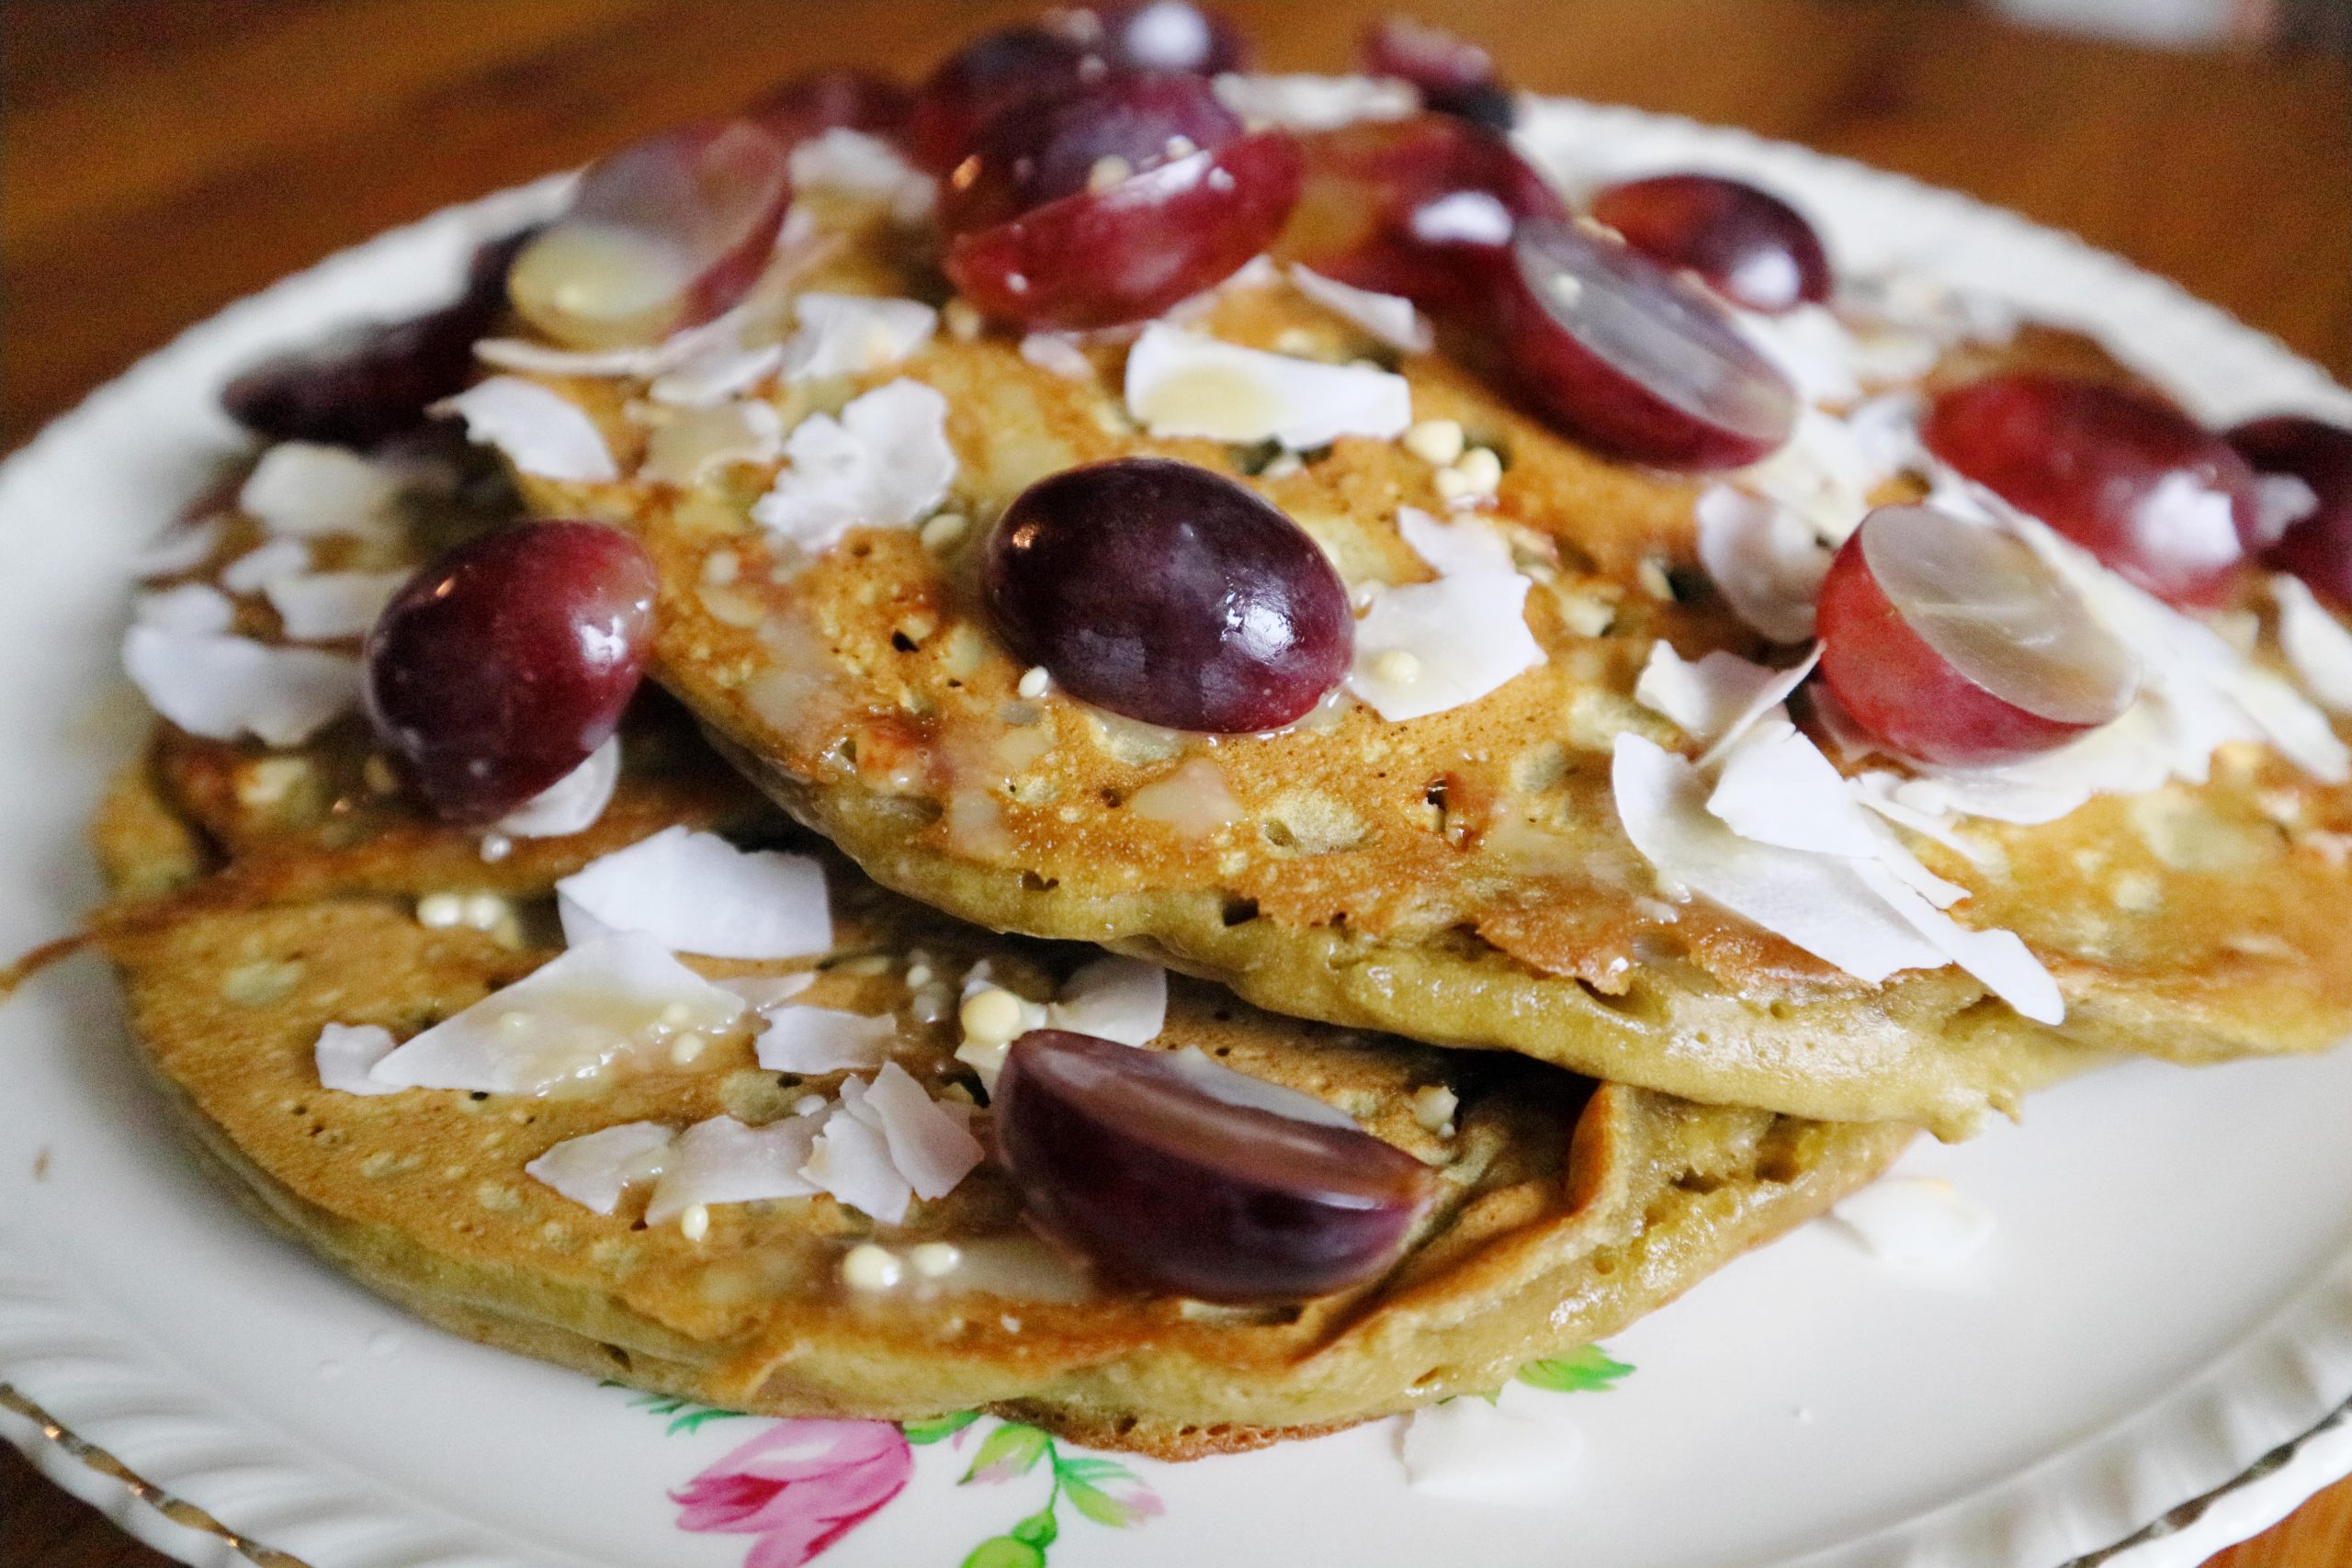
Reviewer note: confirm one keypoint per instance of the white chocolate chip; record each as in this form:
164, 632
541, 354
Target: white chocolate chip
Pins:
694, 1223
1397, 667
1437, 442
1433, 1107
866, 1267
942, 532
440, 911
1034, 682
934, 1260
992, 1016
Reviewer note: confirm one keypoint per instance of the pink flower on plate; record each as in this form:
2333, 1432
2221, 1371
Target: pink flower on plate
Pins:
799, 1486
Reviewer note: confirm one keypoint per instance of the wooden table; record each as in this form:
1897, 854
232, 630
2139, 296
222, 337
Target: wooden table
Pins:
159, 158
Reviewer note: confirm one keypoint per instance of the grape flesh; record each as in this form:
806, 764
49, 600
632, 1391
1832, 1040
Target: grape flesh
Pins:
500, 666
2316, 546
2157, 496
372, 383
1747, 244
1143, 1166
1412, 207
834, 100
1455, 76
1112, 201
1953, 643
1170, 594
1612, 348
667, 232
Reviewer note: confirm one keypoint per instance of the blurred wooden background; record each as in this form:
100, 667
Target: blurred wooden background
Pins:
160, 158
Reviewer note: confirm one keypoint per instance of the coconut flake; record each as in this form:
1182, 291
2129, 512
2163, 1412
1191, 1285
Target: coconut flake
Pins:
1775, 787
1124, 999
858, 165
1059, 353
723, 1161
698, 893
1915, 1221
571, 804
929, 1146
850, 1159
886, 463
1428, 647
821, 1040
1453, 549
1706, 695
190, 607
2000, 959
765, 993
1316, 103
2317, 647
699, 440
345, 1054
538, 432
635, 362
1765, 561
1811, 347
1465, 217
594, 1170
254, 572
302, 490
1470, 1450
2280, 501
182, 547
854, 335
221, 686
1182, 383
1391, 318
566, 1020
323, 606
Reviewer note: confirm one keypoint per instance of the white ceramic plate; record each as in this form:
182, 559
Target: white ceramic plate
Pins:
2164, 1314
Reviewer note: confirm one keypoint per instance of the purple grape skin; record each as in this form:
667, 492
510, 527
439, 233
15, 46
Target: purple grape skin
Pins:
498, 667
1170, 594
367, 384
1747, 244
1118, 1155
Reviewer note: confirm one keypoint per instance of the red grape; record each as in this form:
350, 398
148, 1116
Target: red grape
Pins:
995, 72
1454, 75
809, 106
501, 665
1747, 244
1953, 643
666, 232
1170, 594
2316, 548
1112, 201
1607, 344
1172, 35
1404, 206
1128, 1157
2162, 500
371, 383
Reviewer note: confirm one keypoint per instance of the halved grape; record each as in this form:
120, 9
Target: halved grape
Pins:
1170, 594
809, 106
2317, 545
1408, 206
1747, 244
1137, 1160
2158, 498
1454, 75
370, 384
1953, 643
1611, 347
1172, 35
1112, 201
501, 665
995, 72
666, 232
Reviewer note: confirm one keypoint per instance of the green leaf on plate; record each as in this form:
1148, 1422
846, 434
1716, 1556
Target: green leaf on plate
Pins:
1040, 1529
1004, 1551
938, 1427
1012, 1449
1587, 1371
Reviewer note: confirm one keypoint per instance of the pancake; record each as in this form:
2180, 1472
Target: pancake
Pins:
1462, 878
1567, 1209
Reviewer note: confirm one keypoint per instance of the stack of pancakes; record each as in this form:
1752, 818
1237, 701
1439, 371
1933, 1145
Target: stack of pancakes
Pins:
1437, 927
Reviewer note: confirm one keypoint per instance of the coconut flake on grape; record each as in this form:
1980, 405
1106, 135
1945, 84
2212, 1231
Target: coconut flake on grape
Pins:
1181, 383
698, 893
538, 432
884, 463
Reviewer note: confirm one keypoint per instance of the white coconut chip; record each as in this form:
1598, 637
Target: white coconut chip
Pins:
1916, 1222
637, 362
723, 1161
1469, 1450
567, 1020
571, 804
326, 606
1428, 647
1457, 548
1999, 958
539, 432
264, 564
850, 1159
345, 1054
1775, 787
302, 490
1706, 695
594, 1169
182, 547
716, 373
1465, 217
1765, 561
220, 687
1811, 347
765, 993
1316, 103
929, 1146
1059, 353
821, 1040
854, 335
1391, 318
697, 441
884, 463
1124, 999
1182, 383
2317, 647
698, 893
858, 165
190, 607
